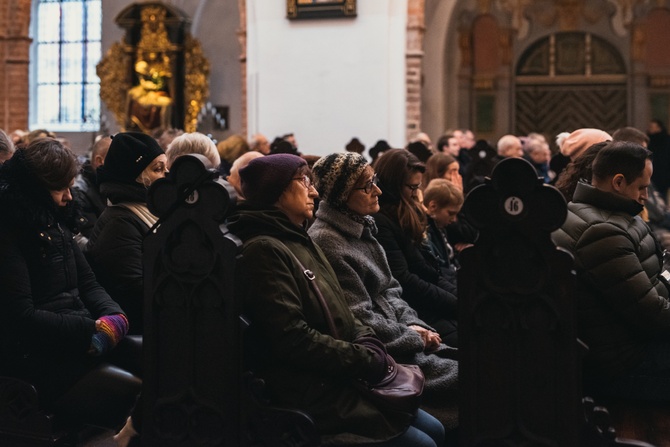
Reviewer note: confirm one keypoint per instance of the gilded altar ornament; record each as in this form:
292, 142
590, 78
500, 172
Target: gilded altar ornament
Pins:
149, 102
114, 82
140, 83
196, 83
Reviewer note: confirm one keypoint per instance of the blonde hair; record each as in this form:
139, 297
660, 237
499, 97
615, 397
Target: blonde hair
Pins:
232, 147
443, 192
193, 143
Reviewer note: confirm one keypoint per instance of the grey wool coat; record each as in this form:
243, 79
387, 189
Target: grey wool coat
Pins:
374, 297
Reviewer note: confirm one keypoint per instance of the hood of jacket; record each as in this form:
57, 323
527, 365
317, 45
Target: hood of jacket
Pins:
26, 203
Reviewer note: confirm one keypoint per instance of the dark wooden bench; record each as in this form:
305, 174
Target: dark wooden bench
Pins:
520, 359
196, 390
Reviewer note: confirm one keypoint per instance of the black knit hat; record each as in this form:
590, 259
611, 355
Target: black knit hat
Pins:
129, 154
264, 179
281, 146
420, 150
379, 147
336, 174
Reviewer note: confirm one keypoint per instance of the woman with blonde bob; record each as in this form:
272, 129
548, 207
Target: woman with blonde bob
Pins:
134, 161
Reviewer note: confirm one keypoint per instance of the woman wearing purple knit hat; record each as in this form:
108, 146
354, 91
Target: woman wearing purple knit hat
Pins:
306, 362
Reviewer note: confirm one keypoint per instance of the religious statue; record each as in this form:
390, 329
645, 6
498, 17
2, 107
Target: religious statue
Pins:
149, 102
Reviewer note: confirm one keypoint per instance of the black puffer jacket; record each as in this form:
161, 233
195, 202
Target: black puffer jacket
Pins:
49, 298
115, 250
622, 302
423, 286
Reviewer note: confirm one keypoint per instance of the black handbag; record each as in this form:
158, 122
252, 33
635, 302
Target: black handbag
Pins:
401, 388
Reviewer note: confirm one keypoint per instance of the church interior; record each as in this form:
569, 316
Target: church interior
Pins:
383, 70
329, 72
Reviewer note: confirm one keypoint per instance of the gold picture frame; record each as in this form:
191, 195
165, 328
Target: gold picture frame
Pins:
320, 9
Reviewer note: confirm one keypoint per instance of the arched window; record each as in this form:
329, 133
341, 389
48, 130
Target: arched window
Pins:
570, 80
65, 90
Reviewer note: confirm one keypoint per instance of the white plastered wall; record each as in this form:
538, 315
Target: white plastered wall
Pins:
327, 80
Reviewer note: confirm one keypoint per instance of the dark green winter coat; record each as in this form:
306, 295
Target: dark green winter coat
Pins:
622, 303
290, 344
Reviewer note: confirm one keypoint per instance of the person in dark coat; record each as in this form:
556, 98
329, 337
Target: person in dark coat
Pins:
86, 191
58, 327
443, 201
345, 231
401, 222
659, 145
306, 362
622, 291
133, 163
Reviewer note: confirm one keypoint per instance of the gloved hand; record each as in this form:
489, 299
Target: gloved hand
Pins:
110, 330
379, 364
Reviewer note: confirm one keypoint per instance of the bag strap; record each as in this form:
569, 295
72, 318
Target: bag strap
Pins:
311, 279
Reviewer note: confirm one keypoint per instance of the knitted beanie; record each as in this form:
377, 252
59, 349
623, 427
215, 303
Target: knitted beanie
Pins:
129, 154
336, 174
112, 329
581, 139
264, 179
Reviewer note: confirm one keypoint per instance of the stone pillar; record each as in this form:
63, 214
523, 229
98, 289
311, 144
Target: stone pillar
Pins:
242, 38
414, 59
14, 64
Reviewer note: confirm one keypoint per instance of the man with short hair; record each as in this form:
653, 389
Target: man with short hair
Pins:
260, 143
510, 146
448, 144
621, 291
241, 162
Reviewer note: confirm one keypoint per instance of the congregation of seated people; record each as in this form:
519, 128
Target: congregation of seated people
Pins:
383, 232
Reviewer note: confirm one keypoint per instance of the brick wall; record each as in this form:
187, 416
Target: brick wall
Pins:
413, 61
14, 61
242, 38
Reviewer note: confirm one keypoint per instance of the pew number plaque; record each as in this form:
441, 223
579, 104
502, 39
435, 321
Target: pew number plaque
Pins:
513, 206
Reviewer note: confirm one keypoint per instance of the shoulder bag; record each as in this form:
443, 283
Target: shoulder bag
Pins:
401, 388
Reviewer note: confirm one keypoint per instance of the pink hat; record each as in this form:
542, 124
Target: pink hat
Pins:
581, 139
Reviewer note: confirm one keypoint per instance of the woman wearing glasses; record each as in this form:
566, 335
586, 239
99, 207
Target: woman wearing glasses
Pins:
306, 362
401, 224
345, 231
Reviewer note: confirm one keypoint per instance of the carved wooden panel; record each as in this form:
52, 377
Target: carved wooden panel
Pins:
192, 381
552, 109
519, 363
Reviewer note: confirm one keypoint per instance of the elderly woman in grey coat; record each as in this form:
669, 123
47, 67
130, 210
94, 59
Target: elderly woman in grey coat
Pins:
345, 231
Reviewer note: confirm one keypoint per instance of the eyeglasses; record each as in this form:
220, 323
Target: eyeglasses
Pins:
305, 180
414, 187
369, 185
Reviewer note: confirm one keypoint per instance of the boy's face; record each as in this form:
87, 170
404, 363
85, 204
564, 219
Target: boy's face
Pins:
446, 215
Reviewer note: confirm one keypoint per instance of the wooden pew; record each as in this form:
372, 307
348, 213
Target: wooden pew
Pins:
520, 359
196, 390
